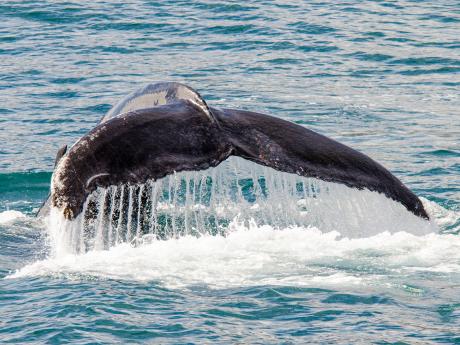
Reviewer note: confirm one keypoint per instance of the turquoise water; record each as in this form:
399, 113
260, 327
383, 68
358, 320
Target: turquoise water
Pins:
382, 77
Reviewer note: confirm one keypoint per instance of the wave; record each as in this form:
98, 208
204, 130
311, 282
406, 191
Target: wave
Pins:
23, 191
261, 255
20, 181
11, 216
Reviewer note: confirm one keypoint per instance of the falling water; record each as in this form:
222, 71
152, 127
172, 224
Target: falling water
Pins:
205, 202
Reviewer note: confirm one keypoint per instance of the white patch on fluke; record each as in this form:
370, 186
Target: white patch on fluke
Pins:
154, 95
145, 101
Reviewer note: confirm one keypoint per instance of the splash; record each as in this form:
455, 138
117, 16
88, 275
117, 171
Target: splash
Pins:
10, 216
205, 203
262, 255
244, 225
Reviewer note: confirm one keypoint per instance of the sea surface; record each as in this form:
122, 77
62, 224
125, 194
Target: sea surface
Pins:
380, 76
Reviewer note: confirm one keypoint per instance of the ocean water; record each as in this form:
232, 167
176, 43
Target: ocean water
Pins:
342, 266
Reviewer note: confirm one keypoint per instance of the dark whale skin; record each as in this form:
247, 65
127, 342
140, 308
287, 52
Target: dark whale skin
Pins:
136, 147
288, 147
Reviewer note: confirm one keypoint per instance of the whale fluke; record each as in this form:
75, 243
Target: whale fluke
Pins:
288, 147
167, 127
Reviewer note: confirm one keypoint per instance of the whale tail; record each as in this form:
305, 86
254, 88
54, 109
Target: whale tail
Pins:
167, 127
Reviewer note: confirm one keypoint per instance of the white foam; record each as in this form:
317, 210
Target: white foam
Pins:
442, 217
259, 255
10, 216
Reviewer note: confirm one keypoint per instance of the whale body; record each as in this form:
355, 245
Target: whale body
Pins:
167, 127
